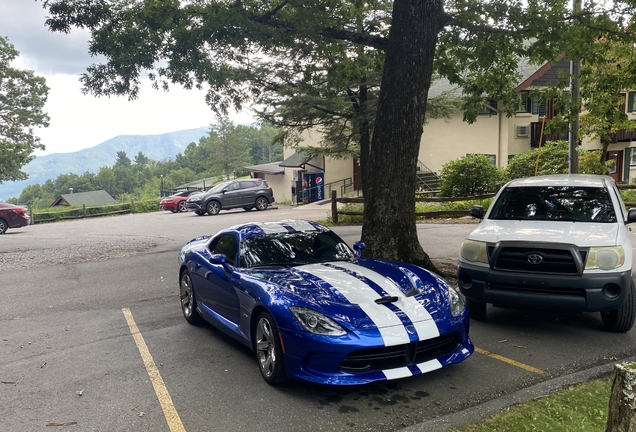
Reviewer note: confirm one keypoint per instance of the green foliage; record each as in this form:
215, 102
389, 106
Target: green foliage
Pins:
628, 195
229, 154
470, 176
582, 408
552, 158
22, 99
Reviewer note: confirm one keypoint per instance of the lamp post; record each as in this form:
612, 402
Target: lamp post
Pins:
161, 191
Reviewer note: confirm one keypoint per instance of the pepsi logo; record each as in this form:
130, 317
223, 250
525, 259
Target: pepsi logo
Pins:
318, 180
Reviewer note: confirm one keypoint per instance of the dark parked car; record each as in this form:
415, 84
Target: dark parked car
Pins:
12, 217
312, 309
177, 202
248, 194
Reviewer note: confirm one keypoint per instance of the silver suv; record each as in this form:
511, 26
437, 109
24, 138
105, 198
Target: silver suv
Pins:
248, 194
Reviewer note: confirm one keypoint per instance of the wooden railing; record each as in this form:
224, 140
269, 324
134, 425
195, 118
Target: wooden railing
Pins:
453, 213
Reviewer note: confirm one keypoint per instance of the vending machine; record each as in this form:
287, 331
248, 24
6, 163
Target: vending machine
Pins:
319, 186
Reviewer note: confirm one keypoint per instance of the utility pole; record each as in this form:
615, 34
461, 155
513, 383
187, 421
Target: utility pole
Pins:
575, 70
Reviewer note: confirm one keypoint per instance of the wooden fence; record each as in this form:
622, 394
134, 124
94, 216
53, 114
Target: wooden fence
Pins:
452, 213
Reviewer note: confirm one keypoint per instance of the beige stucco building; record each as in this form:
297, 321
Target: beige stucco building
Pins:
493, 134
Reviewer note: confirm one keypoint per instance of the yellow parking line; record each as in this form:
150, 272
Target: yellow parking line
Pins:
512, 362
169, 411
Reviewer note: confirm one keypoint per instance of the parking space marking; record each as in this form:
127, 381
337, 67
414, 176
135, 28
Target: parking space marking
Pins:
169, 411
512, 362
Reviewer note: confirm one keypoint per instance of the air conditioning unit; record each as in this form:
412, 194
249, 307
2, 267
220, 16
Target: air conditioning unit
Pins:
523, 131
297, 175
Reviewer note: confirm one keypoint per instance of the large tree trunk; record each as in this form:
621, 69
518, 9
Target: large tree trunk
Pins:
621, 416
389, 228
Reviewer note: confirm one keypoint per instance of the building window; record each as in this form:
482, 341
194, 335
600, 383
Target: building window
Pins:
630, 101
488, 108
525, 102
632, 160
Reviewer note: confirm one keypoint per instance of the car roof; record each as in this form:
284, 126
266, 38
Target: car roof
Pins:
259, 229
590, 180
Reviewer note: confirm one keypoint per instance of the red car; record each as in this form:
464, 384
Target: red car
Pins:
177, 202
12, 217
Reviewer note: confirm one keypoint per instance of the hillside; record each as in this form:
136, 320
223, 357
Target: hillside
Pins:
156, 147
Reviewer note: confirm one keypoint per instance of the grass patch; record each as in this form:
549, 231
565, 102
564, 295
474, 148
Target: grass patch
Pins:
581, 408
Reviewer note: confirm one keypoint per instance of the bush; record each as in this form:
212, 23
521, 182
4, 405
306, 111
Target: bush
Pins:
470, 176
553, 158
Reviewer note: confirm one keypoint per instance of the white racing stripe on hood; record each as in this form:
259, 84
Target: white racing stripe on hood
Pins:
361, 294
419, 316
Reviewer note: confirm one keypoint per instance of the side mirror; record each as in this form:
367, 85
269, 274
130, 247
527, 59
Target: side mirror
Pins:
631, 216
477, 211
224, 190
358, 247
220, 259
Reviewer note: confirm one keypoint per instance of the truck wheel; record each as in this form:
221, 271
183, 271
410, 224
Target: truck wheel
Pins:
621, 320
477, 310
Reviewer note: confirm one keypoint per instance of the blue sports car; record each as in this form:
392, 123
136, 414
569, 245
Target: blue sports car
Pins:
313, 309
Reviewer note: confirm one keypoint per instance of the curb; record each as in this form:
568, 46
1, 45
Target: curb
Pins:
478, 413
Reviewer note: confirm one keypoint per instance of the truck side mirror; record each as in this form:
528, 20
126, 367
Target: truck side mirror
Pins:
477, 211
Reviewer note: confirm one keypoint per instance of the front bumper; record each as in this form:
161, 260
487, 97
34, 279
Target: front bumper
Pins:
195, 205
319, 359
591, 292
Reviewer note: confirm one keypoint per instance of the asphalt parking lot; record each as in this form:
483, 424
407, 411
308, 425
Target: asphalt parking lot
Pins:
92, 338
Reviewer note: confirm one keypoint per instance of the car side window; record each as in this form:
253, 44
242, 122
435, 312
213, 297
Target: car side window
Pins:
234, 186
247, 184
227, 245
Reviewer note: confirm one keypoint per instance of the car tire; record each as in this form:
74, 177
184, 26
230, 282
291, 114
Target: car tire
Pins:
213, 208
261, 203
267, 346
182, 207
188, 300
621, 320
477, 310
248, 208
3, 226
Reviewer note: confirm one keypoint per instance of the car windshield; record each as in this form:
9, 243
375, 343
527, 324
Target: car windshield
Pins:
291, 249
219, 187
560, 203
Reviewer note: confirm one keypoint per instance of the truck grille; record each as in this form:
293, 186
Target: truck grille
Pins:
392, 357
559, 261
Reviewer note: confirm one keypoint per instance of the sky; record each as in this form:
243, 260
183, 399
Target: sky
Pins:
79, 121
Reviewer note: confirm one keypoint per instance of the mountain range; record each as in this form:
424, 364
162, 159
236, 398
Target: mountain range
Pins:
155, 147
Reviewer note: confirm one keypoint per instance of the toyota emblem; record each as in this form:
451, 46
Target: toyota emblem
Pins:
535, 258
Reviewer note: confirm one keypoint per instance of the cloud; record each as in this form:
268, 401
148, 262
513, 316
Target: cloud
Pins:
79, 121
22, 21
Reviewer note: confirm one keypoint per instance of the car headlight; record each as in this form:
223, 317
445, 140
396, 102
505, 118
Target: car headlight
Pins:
316, 322
605, 258
456, 302
194, 198
474, 251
